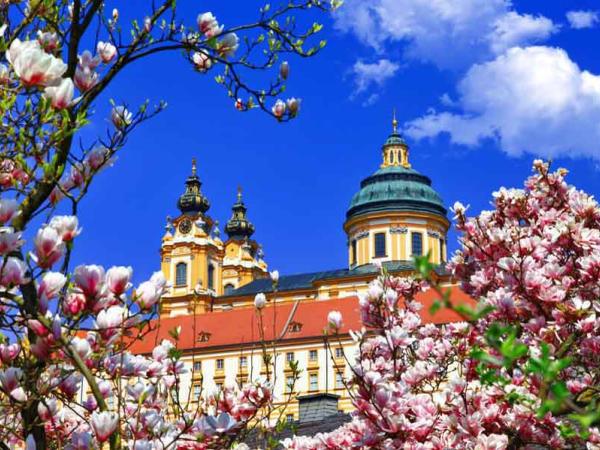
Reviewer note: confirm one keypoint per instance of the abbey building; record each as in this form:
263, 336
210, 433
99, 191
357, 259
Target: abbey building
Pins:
395, 214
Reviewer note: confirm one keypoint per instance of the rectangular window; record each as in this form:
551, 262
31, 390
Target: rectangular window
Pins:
379, 245
289, 356
313, 382
289, 384
354, 255
339, 381
339, 352
312, 355
243, 362
417, 243
181, 274
220, 364
289, 418
442, 250
197, 366
197, 390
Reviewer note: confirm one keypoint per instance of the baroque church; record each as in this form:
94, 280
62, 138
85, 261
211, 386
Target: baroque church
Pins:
395, 215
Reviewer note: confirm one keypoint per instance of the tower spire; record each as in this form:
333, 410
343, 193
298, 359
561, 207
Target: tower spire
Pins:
394, 122
193, 167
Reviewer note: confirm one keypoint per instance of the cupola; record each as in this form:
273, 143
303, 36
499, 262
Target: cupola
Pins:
396, 214
239, 227
192, 201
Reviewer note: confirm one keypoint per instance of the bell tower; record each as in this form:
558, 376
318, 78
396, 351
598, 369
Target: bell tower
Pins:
194, 259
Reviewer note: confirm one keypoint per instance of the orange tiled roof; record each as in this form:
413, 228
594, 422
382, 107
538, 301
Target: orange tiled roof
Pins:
240, 326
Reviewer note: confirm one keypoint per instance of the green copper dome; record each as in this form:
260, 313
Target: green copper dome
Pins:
192, 201
396, 186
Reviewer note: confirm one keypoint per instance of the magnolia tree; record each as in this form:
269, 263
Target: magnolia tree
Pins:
522, 371
67, 379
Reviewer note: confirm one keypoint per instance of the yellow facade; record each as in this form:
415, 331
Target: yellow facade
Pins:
395, 216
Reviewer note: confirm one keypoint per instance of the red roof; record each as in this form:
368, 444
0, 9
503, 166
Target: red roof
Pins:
241, 325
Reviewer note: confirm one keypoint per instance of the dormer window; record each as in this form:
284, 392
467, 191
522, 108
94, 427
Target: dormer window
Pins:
203, 336
294, 327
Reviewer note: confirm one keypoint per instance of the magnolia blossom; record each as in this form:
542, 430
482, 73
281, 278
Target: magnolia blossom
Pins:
121, 117
33, 65
201, 61
208, 25
9, 209
9, 242
117, 279
61, 96
66, 227
274, 276
110, 319
106, 51
51, 284
278, 109
90, 279
85, 78
147, 294
293, 105
13, 272
104, 424
49, 247
228, 45
284, 70
48, 40
260, 300
334, 319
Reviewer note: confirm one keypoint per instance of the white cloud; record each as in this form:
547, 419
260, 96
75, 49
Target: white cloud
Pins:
367, 74
533, 99
582, 19
448, 33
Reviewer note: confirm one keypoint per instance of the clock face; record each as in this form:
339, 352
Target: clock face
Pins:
185, 226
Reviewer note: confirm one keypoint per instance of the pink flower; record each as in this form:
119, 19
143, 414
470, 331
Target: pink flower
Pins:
87, 60
104, 424
13, 272
49, 247
117, 279
66, 227
33, 65
121, 117
293, 106
61, 95
228, 45
107, 51
9, 209
48, 41
147, 295
9, 352
334, 320
201, 61
73, 303
9, 242
85, 78
208, 25
90, 279
110, 319
278, 109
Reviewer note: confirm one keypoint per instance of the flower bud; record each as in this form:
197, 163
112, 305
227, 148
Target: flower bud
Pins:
260, 301
284, 70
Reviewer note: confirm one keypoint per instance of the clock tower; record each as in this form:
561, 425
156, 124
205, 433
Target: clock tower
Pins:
194, 259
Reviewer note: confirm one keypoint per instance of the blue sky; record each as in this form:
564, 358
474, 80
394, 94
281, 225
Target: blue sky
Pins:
481, 87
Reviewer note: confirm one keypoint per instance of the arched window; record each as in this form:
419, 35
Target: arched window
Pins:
354, 255
229, 288
442, 250
211, 276
181, 274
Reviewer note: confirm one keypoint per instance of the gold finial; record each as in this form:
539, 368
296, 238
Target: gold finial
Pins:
239, 194
193, 167
394, 121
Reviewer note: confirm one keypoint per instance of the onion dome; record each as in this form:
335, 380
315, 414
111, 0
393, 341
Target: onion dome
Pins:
192, 201
396, 186
239, 227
